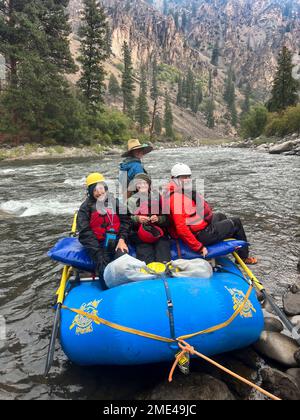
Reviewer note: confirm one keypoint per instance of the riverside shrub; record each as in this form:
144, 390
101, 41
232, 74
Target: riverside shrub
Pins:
287, 122
254, 123
293, 119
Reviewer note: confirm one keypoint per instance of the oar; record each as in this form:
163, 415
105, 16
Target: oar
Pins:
61, 295
271, 301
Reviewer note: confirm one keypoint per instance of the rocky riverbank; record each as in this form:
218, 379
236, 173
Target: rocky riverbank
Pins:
289, 146
273, 363
38, 152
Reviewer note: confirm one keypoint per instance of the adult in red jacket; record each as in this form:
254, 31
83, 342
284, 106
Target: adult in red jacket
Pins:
192, 219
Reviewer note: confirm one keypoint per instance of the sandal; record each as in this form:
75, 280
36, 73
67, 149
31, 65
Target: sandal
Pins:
251, 261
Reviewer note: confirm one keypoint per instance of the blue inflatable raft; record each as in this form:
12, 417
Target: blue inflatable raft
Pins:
107, 327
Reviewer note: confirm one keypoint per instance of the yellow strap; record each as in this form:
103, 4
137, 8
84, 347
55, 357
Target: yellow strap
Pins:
66, 274
74, 226
118, 327
224, 324
248, 272
67, 271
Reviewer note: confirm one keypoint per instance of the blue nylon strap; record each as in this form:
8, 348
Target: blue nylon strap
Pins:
170, 307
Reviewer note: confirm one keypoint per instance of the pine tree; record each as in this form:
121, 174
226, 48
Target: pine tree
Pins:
215, 55
190, 88
246, 103
184, 92
210, 83
230, 97
57, 30
128, 83
93, 53
142, 109
113, 86
168, 118
34, 40
234, 114
197, 99
157, 125
179, 99
154, 88
285, 87
209, 112
184, 22
38, 28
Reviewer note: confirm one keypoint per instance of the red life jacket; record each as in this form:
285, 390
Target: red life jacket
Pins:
100, 224
186, 219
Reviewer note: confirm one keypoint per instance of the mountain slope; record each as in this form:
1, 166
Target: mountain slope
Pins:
249, 34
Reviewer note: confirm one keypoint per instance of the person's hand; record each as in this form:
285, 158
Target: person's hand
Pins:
154, 219
122, 246
204, 252
143, 220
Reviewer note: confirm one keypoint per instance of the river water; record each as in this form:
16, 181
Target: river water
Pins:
37, 200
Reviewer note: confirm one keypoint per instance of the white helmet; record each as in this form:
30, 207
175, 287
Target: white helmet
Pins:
180, 169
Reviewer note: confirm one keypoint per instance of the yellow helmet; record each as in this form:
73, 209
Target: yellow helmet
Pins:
94, 179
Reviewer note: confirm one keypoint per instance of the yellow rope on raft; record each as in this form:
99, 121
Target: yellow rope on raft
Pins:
128, 330
118, 327
185, 347
224, 324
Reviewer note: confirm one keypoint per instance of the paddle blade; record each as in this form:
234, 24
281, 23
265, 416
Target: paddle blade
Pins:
51, 351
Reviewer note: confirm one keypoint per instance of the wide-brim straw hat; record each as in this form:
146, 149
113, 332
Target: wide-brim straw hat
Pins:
134, 144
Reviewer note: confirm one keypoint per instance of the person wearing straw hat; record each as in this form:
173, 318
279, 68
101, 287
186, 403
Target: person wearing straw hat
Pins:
132, 164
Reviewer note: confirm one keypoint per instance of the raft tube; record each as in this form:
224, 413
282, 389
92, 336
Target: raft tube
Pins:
198, 305
69, 251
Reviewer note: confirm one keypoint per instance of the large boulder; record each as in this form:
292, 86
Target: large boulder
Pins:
297, 356
197, 386
281, 148
273, 324
262, 147
248, 357
295, 320
291, 302
295, 373
281, 384
278, 347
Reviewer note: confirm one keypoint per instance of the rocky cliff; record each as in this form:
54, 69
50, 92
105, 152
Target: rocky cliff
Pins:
148, 33
247, 33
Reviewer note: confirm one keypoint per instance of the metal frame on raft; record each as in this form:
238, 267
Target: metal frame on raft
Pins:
185, 348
